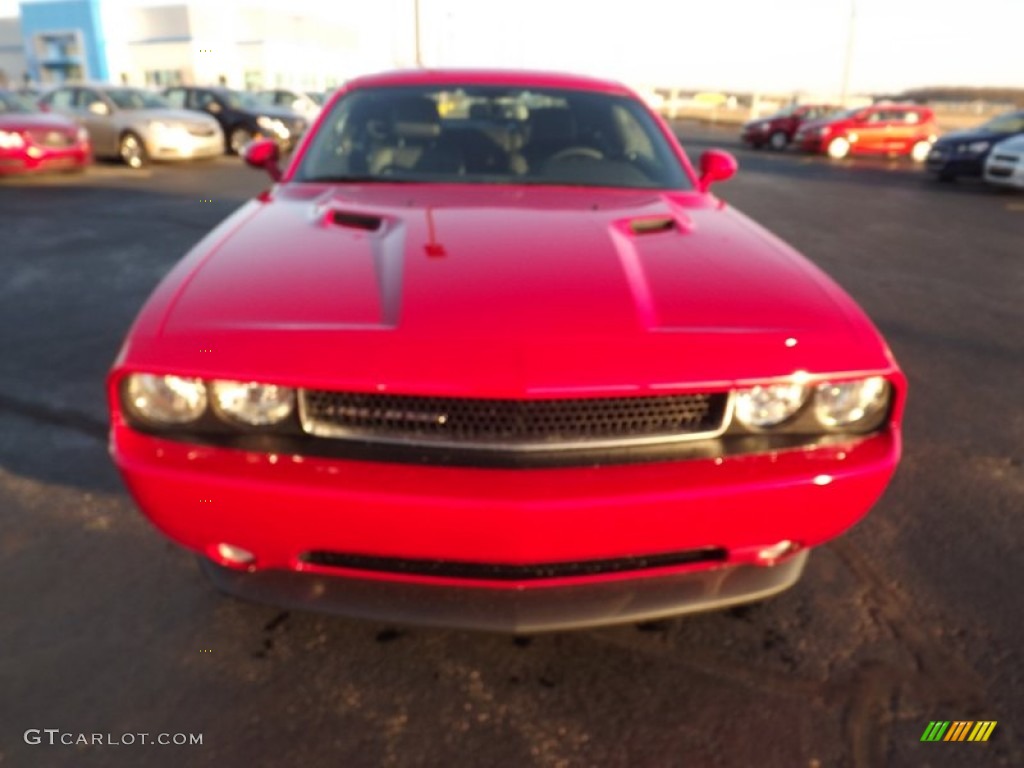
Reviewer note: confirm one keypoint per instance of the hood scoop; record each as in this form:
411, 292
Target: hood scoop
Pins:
650, 225
654, 224
353, 220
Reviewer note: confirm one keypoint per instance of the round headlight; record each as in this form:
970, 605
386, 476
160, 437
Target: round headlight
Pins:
766, 406
848, 402
165, 399
253, 403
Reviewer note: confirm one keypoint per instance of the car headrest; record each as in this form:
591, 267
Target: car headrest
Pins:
552, 124
415, 118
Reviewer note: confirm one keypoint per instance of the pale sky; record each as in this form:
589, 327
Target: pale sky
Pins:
770, 45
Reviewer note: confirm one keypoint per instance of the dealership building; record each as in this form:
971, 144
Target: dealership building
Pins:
248, 45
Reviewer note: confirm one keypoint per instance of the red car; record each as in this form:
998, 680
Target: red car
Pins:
881, 129
490, 354
33, 141
777, 131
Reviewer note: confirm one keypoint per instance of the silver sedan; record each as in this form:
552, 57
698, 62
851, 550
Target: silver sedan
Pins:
136, 125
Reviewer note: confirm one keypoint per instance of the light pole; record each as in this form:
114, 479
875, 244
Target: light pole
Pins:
416, 21
849, 53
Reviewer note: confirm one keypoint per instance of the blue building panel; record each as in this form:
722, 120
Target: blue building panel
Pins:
64, 38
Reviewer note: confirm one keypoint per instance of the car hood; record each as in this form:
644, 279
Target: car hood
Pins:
281, 113
32, 121
1013, 144
399, 285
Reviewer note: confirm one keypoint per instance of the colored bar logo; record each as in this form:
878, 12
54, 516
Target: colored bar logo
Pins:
958, 730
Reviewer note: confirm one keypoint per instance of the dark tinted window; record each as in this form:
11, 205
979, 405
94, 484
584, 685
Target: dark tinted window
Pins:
1012, 123
13, 103
176, 97
490, 134
62, 98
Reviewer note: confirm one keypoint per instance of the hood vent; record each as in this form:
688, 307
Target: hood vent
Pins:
652, 224
352, 220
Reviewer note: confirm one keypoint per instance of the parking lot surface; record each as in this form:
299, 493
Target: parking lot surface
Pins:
913, 616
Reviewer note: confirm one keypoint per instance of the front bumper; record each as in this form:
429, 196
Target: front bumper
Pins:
941, 162
815, 144
1005, 174
538, 609
33, 159
185, 146
755, 136
282, 507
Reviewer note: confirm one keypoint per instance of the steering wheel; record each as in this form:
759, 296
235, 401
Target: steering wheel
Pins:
588, 153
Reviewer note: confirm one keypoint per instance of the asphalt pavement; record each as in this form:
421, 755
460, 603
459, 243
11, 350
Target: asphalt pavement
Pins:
913, 616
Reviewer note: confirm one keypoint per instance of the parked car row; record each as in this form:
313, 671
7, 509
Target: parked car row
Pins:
880, 129
994, 150
64, 127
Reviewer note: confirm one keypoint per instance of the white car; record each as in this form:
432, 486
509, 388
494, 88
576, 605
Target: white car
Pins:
1005, 163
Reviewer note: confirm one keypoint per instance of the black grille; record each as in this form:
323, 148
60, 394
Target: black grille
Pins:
510, 423
52, 138
455, 569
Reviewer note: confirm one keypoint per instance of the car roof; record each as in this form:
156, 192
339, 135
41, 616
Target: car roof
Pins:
896, 105
511, 77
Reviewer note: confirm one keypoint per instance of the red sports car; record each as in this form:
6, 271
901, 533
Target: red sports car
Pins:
490, 354
34, 141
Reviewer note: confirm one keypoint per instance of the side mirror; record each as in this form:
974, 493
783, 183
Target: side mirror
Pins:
716, 165
264, 154
212, 107
99, 108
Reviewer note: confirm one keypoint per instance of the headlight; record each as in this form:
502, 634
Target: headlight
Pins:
165, 399
272, 124
849, 402
11, 140
766, 406
977, 147
253, 403
157, 126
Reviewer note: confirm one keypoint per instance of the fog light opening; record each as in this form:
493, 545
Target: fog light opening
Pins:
771, 555
231, 555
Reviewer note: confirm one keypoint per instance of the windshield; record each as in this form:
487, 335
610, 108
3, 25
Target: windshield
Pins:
243, 100
784, 112
494, 135
1012, 123
134, 98
317, 98
12, 102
